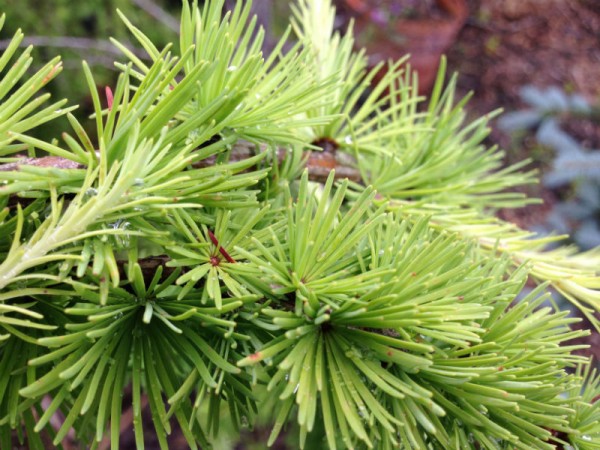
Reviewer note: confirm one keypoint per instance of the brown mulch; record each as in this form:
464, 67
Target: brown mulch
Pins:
585, 130
508, 44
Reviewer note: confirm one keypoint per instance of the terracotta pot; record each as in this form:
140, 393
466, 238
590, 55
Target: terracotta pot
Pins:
425, 39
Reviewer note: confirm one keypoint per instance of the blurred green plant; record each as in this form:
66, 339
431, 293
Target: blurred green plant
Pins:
190, 258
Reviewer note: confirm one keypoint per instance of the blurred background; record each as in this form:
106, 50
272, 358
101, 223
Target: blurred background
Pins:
537, 60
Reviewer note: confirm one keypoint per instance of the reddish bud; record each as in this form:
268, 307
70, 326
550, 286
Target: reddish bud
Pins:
109, 97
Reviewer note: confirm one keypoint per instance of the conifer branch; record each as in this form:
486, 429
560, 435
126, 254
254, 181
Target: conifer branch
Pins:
254, 236
318, 163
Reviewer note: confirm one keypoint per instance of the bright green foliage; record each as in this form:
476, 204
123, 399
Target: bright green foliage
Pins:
379, 314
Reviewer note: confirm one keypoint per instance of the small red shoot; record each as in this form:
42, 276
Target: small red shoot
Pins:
223, 252
109, 97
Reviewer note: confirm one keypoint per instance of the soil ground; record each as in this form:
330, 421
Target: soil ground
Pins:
507, 44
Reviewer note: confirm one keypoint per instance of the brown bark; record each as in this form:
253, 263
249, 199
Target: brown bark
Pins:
319, 164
